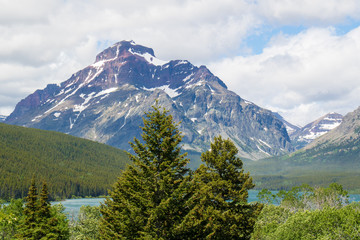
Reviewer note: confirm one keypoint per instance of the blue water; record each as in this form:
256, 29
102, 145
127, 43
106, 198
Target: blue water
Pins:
72, 206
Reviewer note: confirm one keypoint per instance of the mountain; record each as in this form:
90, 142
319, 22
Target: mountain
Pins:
70, 165
305, 135
106, 101
345, 137
290, 128
2, 118
332, 157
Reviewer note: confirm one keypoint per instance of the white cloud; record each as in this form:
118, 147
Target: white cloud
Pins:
44, 42
303, 76
308, 12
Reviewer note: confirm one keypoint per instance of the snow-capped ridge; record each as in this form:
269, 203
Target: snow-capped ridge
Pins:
166, 88
149, 58
316, 129
107, 100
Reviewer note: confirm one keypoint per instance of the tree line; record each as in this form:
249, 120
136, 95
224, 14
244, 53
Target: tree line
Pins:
158, 197
72, 166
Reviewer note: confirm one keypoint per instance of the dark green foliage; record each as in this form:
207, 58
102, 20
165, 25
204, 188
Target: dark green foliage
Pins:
31, 209
309, 213
147, 200
277, 222
11, 215
219, 208
40, 221
87, 226
73, 166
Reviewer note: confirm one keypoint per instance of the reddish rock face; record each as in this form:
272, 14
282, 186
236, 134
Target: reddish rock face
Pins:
107, 100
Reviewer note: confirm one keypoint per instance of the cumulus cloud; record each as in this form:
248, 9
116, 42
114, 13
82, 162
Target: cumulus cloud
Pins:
308, 12
44, 42
302, 76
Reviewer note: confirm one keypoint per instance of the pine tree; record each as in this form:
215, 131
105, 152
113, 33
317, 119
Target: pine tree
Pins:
44, 213
44, 205
219, 208
147, 200
31, 209
41, 220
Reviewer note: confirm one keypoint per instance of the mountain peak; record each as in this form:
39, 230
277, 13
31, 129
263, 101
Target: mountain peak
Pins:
316, 129
106, 101
124, 49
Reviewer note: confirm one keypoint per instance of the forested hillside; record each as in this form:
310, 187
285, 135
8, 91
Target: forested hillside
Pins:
333, 157
70, 165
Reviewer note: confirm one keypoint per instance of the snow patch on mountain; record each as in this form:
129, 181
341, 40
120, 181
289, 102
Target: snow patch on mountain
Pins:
166, 88
181, 62
313, 130
199, 83
101, 63
149, 58
106, 91
265, 143
125, 74
189, 77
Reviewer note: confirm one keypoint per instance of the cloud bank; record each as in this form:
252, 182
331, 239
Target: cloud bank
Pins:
301, 75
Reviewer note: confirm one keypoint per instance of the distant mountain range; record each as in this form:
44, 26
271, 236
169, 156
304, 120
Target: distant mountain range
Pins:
332, 157
106, 101
305, 135
345, 137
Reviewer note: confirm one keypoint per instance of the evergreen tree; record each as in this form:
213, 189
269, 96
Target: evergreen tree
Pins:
219, 208
41, 220
44, 205
30, 212
147, 200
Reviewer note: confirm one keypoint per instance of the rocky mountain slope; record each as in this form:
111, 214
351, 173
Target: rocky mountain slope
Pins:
347, 133
332, 157
305, 135
2, 118
291, 128
106, 101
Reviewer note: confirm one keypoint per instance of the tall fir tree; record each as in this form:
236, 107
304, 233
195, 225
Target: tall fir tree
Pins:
42, 221
219, 208
44, 205
147, 200
29, 225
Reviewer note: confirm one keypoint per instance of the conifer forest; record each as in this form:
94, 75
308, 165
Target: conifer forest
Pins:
156, 196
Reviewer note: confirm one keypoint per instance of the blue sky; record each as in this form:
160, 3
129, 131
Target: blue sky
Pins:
257, 42
300, 58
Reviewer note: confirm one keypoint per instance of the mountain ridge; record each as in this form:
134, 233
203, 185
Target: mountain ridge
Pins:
347, 131
105, 102
332, 157
307, 134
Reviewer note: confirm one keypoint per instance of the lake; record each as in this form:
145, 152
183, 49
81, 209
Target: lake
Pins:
72, 206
